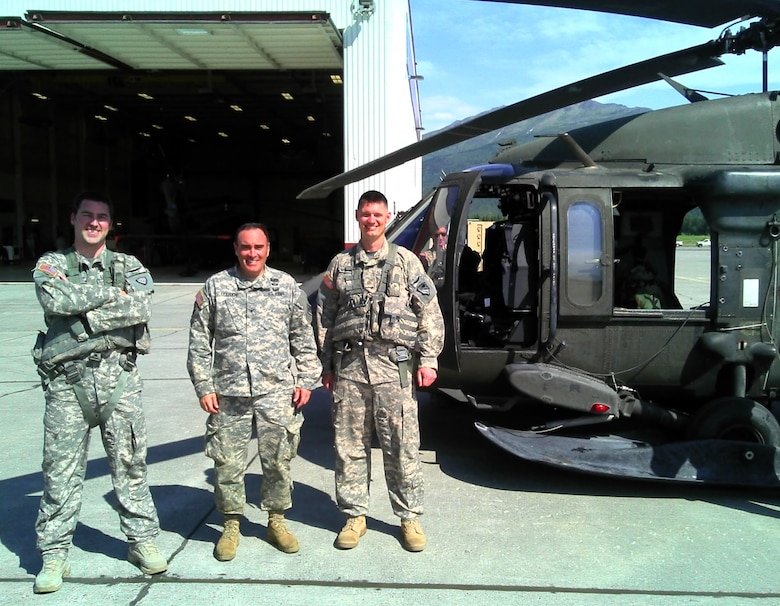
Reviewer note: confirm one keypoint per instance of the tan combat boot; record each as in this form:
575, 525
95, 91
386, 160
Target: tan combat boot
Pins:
278, 535
55, 567
147, 557
412, 535
351, 533
227, 545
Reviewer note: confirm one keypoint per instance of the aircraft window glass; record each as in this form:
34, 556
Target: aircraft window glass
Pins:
585, 277
413, 226
431, 243
436, 221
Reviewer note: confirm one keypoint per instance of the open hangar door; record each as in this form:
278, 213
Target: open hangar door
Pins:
193, 123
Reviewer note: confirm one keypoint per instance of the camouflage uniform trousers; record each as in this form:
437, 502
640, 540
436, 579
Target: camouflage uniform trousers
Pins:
65, 449
228, 433
358, 409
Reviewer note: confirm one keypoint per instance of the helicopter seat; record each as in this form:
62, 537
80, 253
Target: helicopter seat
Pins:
642, 290
510, 261
516, 287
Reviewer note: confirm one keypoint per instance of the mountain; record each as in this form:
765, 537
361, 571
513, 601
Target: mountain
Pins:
480, 149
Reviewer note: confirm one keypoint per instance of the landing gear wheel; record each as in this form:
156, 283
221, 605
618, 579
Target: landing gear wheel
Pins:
735, 418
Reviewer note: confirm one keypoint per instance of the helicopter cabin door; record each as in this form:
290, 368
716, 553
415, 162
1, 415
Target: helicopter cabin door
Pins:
442, 249
586, 255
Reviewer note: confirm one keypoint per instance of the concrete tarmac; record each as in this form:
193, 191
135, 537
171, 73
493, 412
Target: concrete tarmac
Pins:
500, 530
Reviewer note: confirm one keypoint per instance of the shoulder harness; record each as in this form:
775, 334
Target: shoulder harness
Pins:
113, 275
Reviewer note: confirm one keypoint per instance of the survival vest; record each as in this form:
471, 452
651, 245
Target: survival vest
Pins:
68, 337
384, 314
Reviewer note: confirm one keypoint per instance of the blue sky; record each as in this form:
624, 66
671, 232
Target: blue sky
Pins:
476, 55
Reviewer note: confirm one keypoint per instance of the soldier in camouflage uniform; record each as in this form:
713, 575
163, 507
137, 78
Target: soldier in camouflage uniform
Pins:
377, 311
96, 304
252, 358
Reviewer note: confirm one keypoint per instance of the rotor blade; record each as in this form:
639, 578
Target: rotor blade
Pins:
705, 13
673, 64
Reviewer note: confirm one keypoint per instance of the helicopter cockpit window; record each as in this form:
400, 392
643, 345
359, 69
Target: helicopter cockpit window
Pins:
411, 225
585, 274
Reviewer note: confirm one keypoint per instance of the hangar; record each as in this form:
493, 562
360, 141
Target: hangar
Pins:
195, 119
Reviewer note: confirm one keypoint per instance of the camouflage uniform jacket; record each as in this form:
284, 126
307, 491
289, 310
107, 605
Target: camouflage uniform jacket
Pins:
371, 363
251, 337
103, 308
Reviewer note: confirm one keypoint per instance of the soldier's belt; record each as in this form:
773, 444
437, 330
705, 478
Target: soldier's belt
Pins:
73, 368
351, 344
96, 357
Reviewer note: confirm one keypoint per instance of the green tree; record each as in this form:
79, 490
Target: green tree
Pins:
694, 223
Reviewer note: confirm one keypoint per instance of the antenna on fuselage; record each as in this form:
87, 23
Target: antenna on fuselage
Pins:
690, 94
580, 153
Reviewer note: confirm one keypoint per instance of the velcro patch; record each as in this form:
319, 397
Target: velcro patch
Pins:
141, 281
422, 287
49, 270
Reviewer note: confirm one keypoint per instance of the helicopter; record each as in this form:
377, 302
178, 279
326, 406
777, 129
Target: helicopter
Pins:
566, 300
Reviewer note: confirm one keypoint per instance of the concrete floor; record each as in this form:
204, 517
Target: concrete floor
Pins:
500, 530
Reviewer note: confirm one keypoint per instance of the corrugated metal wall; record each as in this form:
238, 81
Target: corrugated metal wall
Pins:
379, 116
379, 111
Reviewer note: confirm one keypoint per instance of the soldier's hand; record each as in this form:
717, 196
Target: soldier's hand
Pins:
328, 379
426, 376
301, 397
210, 403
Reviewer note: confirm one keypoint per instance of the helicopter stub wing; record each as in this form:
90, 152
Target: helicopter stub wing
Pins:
685, 61
705, 13
723, 462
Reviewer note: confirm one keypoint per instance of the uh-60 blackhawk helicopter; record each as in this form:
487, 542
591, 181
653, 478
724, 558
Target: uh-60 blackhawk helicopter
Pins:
569, 300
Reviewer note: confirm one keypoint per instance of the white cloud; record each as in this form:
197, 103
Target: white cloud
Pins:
442, 110
479, 55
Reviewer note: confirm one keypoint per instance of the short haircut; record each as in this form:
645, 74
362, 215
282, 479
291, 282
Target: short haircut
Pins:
247, 226
371, 196
95, 196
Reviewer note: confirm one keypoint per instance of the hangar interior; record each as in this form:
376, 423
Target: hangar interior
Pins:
192, 122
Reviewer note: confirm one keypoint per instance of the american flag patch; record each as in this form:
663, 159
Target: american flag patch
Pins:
327, 281
199, 298
48, 269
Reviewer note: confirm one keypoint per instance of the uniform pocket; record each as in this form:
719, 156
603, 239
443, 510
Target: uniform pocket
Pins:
398, 324
213, 442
